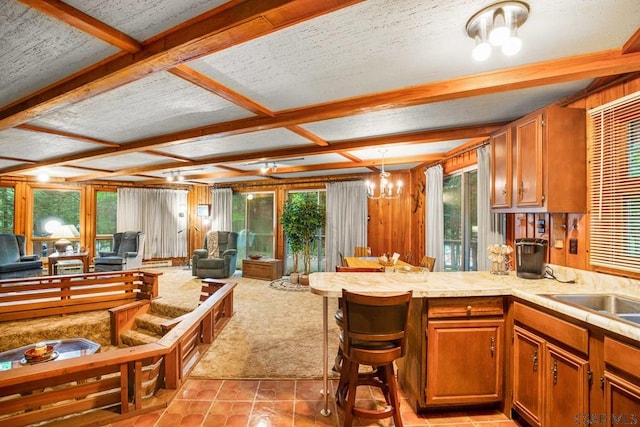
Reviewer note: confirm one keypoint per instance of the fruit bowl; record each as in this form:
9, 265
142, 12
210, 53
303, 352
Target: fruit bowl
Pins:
32, 355
255, 256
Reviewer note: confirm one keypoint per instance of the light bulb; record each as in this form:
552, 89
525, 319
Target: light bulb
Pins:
512, 46
43, 177
500, 32
481, 52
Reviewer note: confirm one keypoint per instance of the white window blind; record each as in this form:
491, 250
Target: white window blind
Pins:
614, 174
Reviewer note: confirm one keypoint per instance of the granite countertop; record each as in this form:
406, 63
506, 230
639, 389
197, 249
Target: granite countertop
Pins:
482, 283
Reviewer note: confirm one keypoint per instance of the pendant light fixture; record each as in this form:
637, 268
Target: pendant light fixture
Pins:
497, 25
386, 186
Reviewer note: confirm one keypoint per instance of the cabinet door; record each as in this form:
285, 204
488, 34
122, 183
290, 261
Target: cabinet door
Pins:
464, 361
501, 169
622, 400
529, 182
528, 370
566, 386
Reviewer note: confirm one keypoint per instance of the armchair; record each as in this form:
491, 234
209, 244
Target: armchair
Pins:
14, 263
205, 264
126, 254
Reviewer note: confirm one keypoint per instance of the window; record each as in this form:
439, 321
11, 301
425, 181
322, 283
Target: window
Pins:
106, 219
7, 209
56, 216
459, 194
614, 182
318, 248
253, 218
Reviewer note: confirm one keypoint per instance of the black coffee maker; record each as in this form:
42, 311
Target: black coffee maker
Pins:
530, 258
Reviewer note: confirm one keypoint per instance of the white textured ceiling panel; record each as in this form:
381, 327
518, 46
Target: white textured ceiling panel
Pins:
8, 163
36, 50
120, 161
19, 143
57, 172
161, 103
400, 150
142, 19
379, 45
234, 179
328, 172
247, 142
462, 112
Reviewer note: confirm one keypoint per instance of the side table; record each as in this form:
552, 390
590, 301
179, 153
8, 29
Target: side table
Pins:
263, 269
54, 258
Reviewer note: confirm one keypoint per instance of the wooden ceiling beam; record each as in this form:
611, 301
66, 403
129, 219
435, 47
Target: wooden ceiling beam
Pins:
633, 44
334, 147
208, 84
233, 25
82, 138
88, 24
550, 72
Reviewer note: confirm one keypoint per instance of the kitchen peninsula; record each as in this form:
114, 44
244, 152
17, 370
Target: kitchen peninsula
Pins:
462, 329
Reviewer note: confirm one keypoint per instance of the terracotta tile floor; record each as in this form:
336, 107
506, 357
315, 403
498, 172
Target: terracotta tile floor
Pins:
234, 403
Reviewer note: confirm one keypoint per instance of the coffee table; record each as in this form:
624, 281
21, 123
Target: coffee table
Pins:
55, 257
63, 349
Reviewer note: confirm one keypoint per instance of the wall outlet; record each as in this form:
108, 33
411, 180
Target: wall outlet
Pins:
573, 246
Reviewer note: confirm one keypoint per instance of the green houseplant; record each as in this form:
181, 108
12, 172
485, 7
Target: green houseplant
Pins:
301, 219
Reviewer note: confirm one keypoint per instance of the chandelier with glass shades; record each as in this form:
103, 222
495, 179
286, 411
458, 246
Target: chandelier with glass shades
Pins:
386, 186
497, 25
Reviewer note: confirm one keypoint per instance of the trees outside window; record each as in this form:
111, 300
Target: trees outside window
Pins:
253, 218
106, 219
7, 209
459, 195
56, 214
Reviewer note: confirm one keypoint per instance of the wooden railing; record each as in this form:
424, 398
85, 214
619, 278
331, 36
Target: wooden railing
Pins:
105, 387
58, 295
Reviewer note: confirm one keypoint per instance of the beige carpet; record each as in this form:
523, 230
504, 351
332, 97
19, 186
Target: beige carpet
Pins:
273, 333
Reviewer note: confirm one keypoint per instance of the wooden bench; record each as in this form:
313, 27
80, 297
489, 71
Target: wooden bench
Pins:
59, 295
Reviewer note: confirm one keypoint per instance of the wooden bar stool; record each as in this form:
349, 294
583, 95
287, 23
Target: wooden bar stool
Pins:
337, 364
373, 335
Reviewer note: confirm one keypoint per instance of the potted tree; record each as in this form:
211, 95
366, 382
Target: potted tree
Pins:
301, 219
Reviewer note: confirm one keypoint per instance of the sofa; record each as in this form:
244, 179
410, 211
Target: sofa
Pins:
14, 262
207, 266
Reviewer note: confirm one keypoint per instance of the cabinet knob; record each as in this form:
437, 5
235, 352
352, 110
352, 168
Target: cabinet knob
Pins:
469, 309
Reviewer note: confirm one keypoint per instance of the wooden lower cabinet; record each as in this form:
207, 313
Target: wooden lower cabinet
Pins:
566, 387
621, 383
550, 370
455, 353
464, 360
528, 386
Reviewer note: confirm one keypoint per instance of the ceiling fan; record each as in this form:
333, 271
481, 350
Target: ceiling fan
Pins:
271, 166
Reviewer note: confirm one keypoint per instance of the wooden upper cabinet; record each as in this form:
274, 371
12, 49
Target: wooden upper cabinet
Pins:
501, 164
549, 160
529, 145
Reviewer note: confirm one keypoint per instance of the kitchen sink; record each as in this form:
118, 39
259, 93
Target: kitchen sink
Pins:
620, 307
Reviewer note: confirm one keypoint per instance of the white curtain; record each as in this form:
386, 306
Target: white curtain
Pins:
161, 214
221, 209
346, 225
490, 225
435, 217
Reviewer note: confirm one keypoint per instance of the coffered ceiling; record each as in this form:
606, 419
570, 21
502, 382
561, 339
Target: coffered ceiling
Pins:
136, 90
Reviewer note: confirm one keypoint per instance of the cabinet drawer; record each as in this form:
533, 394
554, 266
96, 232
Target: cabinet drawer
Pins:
622, 356
573, 336
465, 307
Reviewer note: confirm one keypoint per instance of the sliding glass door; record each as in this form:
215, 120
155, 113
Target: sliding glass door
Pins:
253, 218
459, 196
